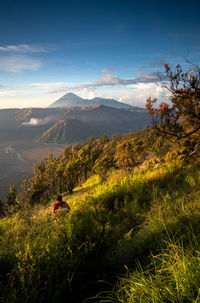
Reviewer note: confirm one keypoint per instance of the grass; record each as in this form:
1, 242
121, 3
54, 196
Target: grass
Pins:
172, 276
141, 226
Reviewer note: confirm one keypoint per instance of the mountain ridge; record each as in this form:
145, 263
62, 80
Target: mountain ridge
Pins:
71, 100
30, 123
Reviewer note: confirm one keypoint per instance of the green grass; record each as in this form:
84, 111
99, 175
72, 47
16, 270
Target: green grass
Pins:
171, 276
141, 227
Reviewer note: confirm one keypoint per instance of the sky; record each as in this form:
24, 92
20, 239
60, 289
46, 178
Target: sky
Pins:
100, 48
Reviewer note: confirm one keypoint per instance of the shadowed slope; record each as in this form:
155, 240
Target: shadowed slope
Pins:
68, 131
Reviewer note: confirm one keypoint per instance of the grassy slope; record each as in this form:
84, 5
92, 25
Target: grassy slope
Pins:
143, 226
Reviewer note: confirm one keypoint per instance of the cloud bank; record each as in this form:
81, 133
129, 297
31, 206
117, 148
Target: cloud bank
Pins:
19, 58
45, 85
19, 63
24, 48
109, 81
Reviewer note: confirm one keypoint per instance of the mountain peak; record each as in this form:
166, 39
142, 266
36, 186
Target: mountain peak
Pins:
68, 100
71, 95
72, 100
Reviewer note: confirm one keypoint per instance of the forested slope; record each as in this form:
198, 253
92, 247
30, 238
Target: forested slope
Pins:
135, 218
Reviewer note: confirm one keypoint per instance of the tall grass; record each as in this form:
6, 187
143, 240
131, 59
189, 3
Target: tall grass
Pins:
111, 227
172, 276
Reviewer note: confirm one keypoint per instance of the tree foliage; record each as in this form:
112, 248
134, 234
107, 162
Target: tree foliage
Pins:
77, 163
11, 197
180, 118
2, 209
129, 153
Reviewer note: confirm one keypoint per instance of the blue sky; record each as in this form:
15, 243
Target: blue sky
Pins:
106, 48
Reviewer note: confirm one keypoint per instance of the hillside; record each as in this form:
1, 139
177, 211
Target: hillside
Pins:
110, 120
131, 235
68, 131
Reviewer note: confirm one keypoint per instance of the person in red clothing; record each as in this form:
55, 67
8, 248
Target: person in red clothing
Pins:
60, 204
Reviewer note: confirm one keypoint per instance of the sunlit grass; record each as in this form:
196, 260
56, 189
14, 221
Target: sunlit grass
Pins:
150, 216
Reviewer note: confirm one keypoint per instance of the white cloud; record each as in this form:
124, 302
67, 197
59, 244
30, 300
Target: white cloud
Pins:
110, 80
12, 91
17, 58
24, 48
134, 94
19, 63
88, 93
35, 121
141, 91
45, 85
9, 93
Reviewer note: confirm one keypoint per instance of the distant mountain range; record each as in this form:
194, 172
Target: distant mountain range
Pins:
36, 123
72, 100
28, 133
70, 119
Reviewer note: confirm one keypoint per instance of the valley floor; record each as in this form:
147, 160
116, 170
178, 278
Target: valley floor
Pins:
17, 159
